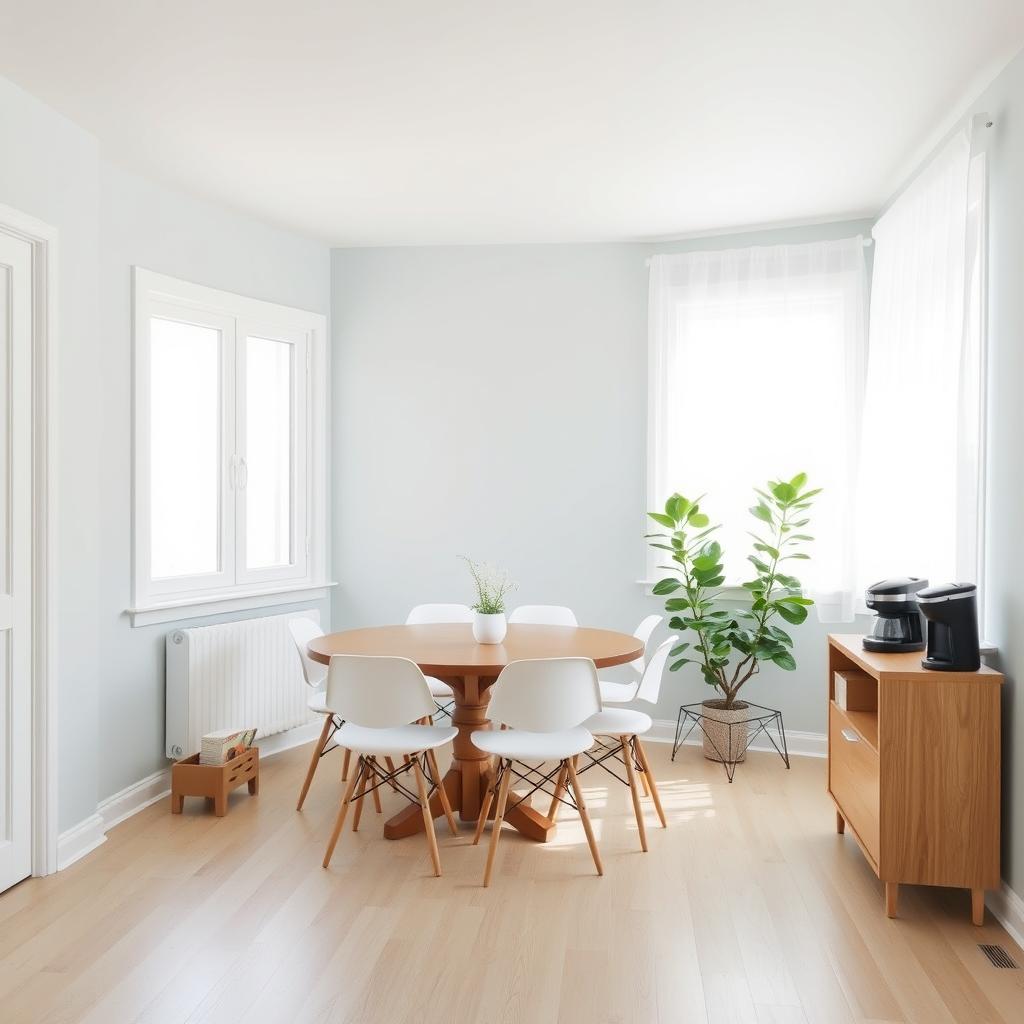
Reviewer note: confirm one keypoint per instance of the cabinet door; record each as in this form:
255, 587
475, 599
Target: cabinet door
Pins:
940, 781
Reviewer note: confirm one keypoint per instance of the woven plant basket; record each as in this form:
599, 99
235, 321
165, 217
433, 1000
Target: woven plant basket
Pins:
725, 731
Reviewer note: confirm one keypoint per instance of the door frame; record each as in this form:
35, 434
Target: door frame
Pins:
43, 239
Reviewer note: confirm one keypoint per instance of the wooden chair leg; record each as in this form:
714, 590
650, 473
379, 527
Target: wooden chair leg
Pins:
344, 765
582, 807
556, 799
643, 782
375, 787
391, 770
342, 811
364, 770
428, 818
318, 749
441, 793
499, 816
485, 807
634, 791
642, 754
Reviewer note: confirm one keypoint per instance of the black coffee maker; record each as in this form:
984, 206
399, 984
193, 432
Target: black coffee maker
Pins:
897, 626
952, 614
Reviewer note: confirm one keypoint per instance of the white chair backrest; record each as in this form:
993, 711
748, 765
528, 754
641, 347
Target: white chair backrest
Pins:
545, 694
423, 614
643, 634
650, 682
544, 615
304, 630
378, 692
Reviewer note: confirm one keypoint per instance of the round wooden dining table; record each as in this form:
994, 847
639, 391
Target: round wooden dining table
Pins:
449, 652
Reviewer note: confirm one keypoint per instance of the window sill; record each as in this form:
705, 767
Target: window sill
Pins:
231, 601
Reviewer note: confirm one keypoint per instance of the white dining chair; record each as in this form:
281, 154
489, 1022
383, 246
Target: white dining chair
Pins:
427, 614
614, 692
618, 731
378, 697
303, 631
540, 705
543, 615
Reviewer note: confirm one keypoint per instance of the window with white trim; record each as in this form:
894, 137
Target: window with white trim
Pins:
229, 448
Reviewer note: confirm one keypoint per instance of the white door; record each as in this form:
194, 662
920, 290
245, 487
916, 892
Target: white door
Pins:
15, 560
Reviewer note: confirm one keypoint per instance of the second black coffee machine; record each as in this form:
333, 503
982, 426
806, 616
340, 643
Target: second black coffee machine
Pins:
952, 614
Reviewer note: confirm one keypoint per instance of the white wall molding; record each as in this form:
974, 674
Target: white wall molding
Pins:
87, 835
134, 798
76, 842
799, 744
1008, 909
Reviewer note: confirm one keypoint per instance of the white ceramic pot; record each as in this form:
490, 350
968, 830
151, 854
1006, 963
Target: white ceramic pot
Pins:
725, 731
489, 629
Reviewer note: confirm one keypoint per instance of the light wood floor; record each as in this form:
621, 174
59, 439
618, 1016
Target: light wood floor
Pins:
749, 908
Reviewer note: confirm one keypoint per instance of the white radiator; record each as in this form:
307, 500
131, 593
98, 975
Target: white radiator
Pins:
234, 675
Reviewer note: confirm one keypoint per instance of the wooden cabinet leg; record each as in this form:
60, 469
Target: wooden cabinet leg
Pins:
978, 907
177, 803
254, 785
892, 894
840, 823
220, 805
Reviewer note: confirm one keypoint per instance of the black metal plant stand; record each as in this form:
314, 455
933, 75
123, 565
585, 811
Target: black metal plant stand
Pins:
761, 720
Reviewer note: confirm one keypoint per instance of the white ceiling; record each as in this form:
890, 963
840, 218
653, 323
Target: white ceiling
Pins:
462, 121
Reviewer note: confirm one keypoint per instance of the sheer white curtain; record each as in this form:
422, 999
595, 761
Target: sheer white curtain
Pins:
920, 492
756, 362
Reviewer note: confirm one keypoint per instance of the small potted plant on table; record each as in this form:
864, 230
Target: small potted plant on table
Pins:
729, 645
492, 585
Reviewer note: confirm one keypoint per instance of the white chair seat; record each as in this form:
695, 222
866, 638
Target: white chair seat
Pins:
318, 703
522, 745
616, 693
394, 741
438, 688
619, 722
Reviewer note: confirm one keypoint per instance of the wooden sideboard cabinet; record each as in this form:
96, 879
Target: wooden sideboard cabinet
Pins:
914, 771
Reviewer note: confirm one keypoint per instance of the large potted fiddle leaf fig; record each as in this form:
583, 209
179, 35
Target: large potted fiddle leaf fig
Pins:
729, 644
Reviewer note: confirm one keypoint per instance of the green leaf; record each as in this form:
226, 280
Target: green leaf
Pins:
798, 481
767, 549
784, 493
676, 665
784, 660
762, 512
678, 649
663, 520
698, 520
797, 599
667, 586
677, 507
794, 614
702, 563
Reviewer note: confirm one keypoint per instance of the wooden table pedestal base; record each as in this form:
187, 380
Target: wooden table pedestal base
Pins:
466, 780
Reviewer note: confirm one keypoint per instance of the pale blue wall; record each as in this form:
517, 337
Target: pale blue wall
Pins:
491, 400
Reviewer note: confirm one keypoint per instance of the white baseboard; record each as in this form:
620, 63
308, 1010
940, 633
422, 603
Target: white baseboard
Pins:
799, 744
1008, 909
79, 840
84, 837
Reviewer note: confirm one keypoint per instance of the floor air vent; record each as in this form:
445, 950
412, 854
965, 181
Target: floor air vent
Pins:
997, 956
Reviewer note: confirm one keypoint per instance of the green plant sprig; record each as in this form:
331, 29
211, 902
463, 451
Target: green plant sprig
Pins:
492, 586
731, 645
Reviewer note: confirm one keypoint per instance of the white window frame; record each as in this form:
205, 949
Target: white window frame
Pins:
234, 587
